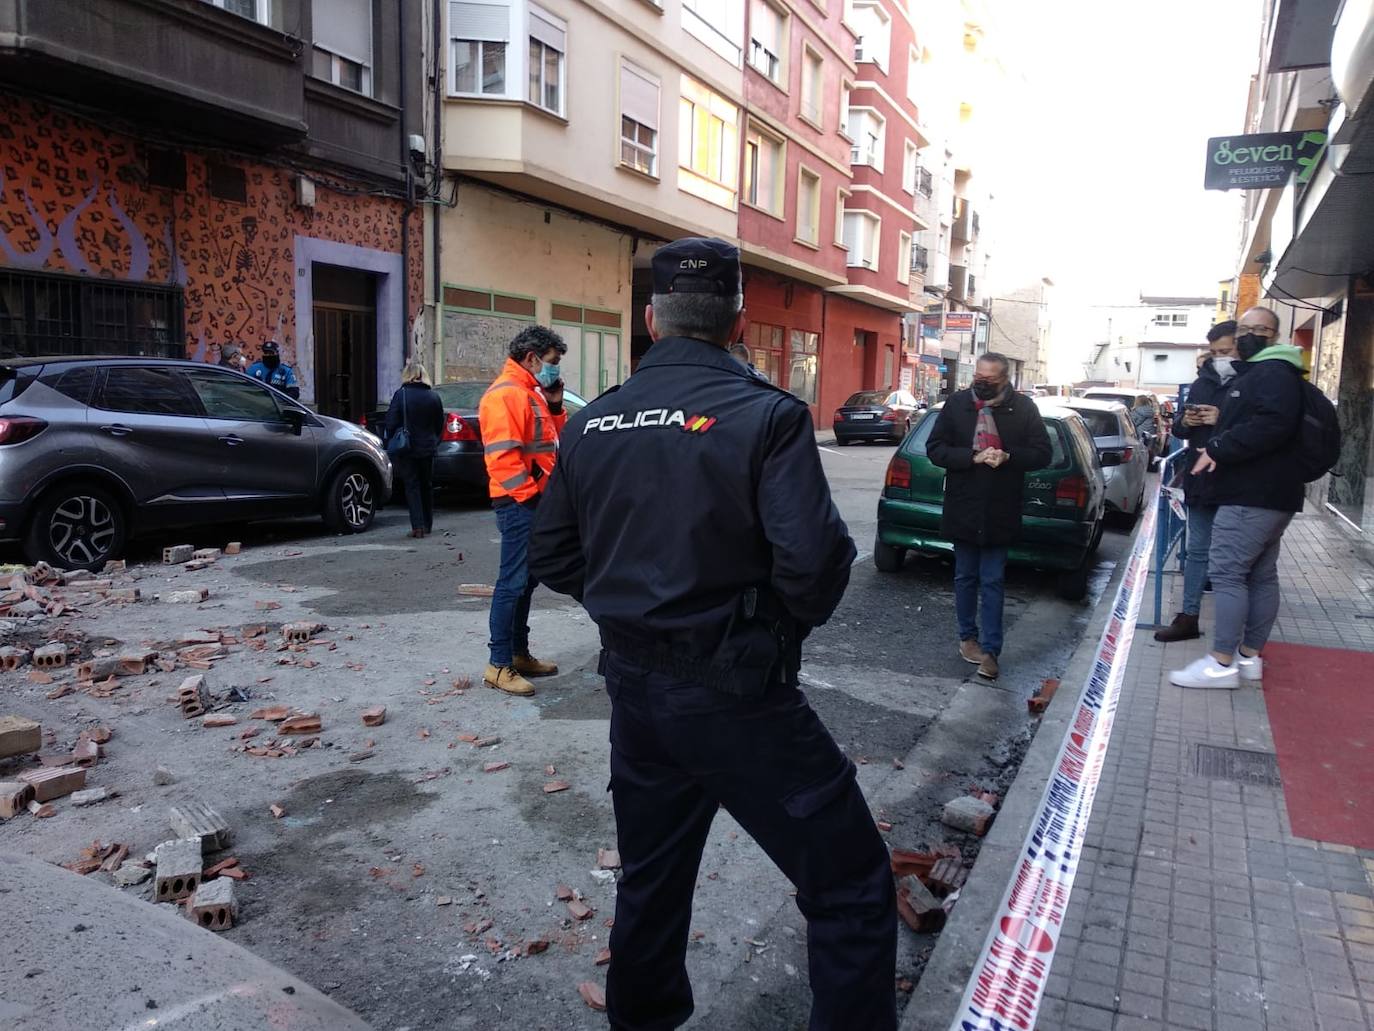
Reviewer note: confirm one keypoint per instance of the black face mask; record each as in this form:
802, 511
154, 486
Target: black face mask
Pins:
986, 391
271, 360
1251, 344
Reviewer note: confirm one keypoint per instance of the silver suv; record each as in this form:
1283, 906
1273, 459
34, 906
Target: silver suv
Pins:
96, 450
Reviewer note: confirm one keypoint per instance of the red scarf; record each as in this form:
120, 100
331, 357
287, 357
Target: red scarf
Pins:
985, 433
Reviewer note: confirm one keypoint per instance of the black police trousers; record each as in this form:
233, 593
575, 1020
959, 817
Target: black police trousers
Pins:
679, 750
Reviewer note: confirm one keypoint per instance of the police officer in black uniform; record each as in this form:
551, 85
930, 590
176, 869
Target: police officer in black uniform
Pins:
689, 514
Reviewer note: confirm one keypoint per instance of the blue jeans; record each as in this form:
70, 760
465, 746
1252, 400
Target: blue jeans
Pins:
979, 572
510, 602
1200, 519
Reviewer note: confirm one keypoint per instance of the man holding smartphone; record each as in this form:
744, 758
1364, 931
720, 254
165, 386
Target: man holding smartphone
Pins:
1194, 423
521, 416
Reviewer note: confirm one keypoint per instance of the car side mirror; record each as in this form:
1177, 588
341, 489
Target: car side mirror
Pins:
1110, 458
295, 418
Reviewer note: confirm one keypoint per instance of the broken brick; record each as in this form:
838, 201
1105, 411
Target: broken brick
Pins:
213, 906
579, 910
233, 548
50, 656
100, 735
562, 892
375, 716
273, 713
486, 742
97, 669
906, 862
178, 869
86, 752
14, 798
307, 723
603, 957
267, 606
19, 736
947, 875
219, 868
192, 597
535, 947
905, 985
608, 859
220, 720
41, 811
300, 632
884, 826
54, 781
555, 786
592, 995
206, 555
177, 554
495, 767
12, 658
918, 908
967, 813
197, 820
115, 859
477, 590
277, 811
1037, 704
193, 696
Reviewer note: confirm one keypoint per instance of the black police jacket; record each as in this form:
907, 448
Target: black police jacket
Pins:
688, 495
1207, 389
1255, 442
983, 505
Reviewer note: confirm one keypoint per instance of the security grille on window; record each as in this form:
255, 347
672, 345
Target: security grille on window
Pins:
766, 42
548, 44
342, 31
479, 35
50, 314
638, 120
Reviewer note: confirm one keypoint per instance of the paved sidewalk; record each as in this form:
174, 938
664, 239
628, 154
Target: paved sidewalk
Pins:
1194, 905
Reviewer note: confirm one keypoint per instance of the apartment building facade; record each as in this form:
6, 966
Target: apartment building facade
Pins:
186, 174
1308, 245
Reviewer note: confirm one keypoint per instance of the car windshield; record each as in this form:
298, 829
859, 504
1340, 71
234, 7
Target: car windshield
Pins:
867, 397
918, 438
1126, 399
1100, 424
900, 399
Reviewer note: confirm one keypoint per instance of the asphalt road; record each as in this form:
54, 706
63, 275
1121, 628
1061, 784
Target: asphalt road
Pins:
346, 888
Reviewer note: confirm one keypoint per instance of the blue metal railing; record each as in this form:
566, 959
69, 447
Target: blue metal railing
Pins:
1171, 530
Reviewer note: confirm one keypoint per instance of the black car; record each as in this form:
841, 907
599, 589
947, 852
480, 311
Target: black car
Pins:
875, 415
458, 464
95, 450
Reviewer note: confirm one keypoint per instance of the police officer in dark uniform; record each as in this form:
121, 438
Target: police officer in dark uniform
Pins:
689, 514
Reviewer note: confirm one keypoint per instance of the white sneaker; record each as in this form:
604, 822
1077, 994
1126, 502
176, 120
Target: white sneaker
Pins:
1206, 672
1250, 667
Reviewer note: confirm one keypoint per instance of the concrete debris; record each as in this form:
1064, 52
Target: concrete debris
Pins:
41, 811
12, 658
131, 874
276, 810
136, 663
206, 554
603, 877
213, 906
54, 781
968, 814
197, 820
178, 869
50, 656
163, 776
97, 669
194, 597
193, 696
14, 798
91, 796
177, 554
19, 736
300, 632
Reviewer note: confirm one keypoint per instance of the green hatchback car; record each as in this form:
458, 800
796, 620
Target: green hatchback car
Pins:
1061, 517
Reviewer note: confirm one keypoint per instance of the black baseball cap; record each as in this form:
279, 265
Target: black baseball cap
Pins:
697, 265
271, 347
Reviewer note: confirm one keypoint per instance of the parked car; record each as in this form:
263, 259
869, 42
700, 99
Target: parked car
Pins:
875, 415
458, 464
1158, 443
1125, 459
95, 450
1061, 518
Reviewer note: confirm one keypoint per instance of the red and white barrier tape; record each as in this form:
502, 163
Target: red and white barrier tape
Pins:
1008, 981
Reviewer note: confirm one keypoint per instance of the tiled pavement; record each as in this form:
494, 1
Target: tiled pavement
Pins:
1195, 906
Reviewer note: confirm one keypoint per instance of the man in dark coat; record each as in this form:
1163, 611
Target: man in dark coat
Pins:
1194, 423
987, 438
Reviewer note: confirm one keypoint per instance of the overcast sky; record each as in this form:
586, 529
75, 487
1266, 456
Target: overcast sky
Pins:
1108, 109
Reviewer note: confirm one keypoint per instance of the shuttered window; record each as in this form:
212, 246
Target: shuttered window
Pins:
479, 35
639, 93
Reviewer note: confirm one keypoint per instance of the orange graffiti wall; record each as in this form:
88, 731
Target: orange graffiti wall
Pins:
74, 199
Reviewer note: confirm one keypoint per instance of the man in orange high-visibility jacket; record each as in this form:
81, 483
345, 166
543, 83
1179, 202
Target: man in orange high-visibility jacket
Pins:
521, 415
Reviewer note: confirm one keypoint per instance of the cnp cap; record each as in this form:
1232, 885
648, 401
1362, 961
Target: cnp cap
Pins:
697, 265
271, 347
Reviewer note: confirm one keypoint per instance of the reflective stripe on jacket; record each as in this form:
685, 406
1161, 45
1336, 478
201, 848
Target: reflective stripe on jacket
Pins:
519, 434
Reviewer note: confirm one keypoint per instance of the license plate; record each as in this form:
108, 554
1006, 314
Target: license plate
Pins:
864, 415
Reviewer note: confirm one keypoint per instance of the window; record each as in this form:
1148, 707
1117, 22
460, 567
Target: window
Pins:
801, 377
841, 199
638, 119
874, 29
765, 163
904, 257
910, 165
868, 132
548, 44
254, 10
1176, 318
812, 87
765, 344
845, 89
708, 144
342, 31
808, 206
479, 34
768, 40
226, 396
146, 391
913, 74
62, 315
717, 23
861, 237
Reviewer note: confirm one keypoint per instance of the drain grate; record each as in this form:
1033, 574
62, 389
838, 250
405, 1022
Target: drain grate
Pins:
1238, 764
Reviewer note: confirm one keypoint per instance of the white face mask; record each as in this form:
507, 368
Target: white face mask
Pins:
1224, 366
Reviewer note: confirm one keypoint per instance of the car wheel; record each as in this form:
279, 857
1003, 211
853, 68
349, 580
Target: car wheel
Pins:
350, 504
887, 557
1097, 535
1072, 584
77, 526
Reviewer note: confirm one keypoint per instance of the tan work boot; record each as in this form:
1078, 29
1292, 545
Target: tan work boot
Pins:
505, 678
970, 652
532, 667
987, 669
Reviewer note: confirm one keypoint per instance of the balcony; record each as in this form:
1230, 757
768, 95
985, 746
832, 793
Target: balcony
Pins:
925, 182
965, 226
971, 290
958, 282
184, 65
920, 258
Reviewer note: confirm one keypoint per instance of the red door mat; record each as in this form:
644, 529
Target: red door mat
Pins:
1321, 710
